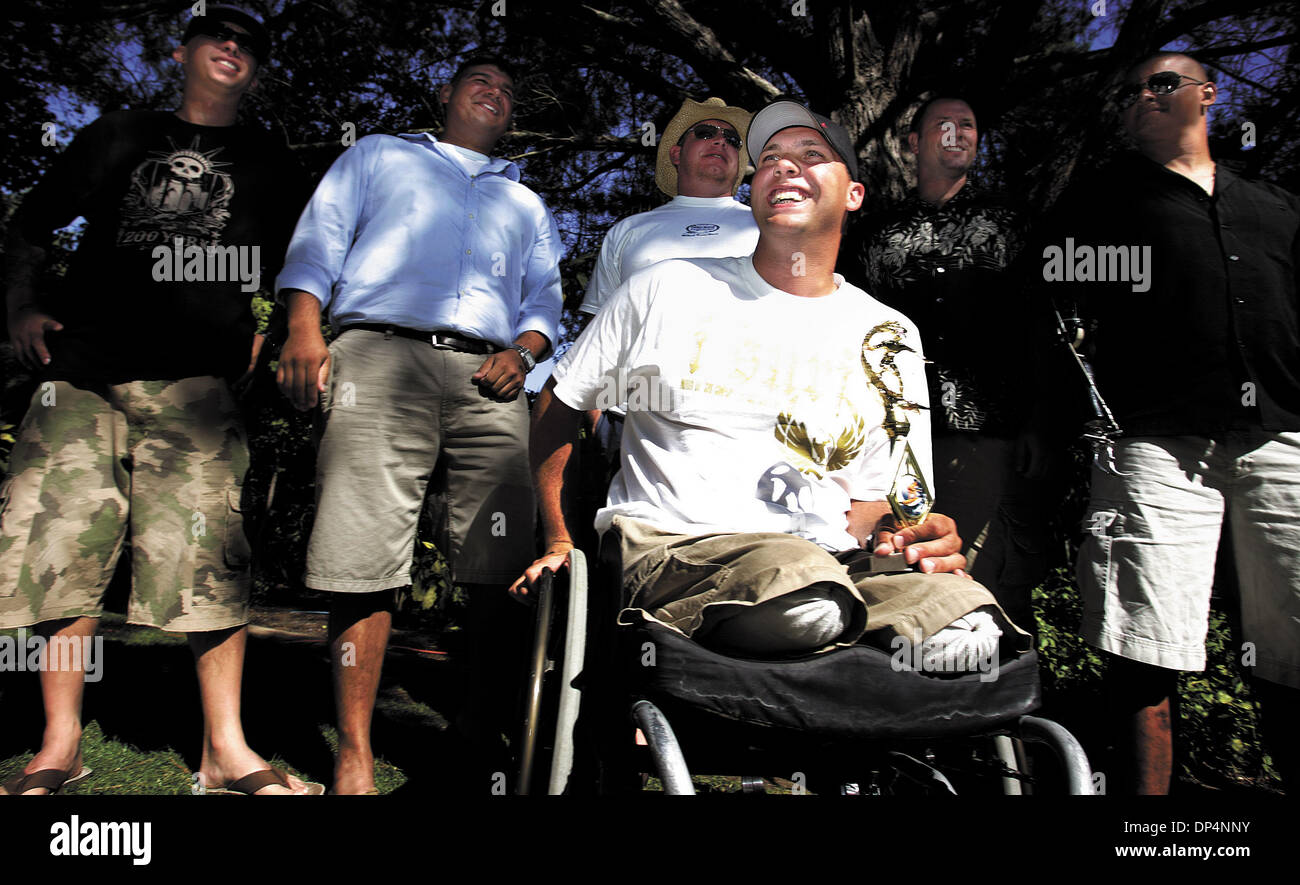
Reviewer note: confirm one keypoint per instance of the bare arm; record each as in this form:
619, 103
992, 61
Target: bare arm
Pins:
27, 322
305, 359
554, 432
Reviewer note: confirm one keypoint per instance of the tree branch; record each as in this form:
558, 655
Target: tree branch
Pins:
1244, 48
700, 47
1272, 93
1182, 22
617, 162
80, 13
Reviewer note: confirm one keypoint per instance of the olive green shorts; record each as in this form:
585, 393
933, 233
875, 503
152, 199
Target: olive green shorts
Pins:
158, 462
694, 583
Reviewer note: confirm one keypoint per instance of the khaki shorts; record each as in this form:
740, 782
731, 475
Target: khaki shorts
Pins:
394, 407
1147, 563
159, 461
694, 583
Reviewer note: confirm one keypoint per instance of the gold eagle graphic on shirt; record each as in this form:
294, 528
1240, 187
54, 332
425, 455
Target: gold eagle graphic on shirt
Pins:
819, 453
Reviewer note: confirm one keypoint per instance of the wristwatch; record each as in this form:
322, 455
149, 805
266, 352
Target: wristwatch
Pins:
529, 362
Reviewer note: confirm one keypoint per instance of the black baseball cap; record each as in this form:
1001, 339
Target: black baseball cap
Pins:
259, 37
784, 113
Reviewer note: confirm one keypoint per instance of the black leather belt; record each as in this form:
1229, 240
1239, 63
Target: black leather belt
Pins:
443, 340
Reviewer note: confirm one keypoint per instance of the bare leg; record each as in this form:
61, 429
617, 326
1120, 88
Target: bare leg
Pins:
1144, 697
219, 659
359, 626
61, 692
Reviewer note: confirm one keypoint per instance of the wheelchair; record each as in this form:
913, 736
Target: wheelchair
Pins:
848, 721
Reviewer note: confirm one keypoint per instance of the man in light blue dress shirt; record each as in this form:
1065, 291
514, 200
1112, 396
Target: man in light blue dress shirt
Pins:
440, 273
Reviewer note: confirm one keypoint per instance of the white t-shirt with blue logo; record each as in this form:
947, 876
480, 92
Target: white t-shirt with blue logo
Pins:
684, 227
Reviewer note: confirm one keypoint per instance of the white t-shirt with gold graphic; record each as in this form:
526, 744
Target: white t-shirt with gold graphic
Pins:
749, 409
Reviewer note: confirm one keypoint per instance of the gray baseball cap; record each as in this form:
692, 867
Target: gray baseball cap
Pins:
784, 113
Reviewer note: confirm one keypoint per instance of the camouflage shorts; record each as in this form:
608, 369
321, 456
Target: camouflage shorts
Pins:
160, 462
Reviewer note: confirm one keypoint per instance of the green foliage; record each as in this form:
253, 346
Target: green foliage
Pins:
432, 599
7, 440
279, 491
263, 305
1218, 718
1069, 664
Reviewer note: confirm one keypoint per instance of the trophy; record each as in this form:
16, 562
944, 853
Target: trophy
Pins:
909, 495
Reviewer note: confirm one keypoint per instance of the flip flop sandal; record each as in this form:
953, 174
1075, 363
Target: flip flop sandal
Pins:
251, 783
51, 779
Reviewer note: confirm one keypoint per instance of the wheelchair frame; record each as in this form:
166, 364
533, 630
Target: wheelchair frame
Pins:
579, 658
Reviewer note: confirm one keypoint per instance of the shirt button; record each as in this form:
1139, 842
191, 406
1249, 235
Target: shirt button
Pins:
471, 215
469, 252
1234, 258
938, 270
938, 301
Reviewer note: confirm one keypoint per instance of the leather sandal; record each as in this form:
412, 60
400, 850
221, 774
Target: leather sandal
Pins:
51, 779
251, 783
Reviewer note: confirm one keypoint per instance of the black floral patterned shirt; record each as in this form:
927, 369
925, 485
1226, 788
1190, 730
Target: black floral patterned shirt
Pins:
946, 268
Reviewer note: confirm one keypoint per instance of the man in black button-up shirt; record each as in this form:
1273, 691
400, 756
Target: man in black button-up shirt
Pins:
1192, 310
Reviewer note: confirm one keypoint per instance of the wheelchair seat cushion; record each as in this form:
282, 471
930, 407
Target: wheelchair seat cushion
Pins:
858, 692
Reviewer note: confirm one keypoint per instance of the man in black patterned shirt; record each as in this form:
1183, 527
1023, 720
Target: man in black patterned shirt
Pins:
941, 257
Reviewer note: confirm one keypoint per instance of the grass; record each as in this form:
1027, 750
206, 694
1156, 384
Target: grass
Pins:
121, 769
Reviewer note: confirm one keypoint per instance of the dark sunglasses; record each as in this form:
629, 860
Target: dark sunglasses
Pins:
1163, 83
222, 34
705, 132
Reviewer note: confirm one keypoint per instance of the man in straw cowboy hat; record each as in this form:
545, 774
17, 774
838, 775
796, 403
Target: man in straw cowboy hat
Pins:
700, 165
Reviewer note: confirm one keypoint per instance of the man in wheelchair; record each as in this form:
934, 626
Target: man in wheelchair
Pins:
768, 404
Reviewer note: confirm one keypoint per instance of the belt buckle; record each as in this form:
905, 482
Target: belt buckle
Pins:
438, 344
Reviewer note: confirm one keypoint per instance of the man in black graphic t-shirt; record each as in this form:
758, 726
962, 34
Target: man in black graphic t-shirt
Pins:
156, 190
133, 433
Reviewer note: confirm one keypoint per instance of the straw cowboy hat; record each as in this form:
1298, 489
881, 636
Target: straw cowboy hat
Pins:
693, 112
